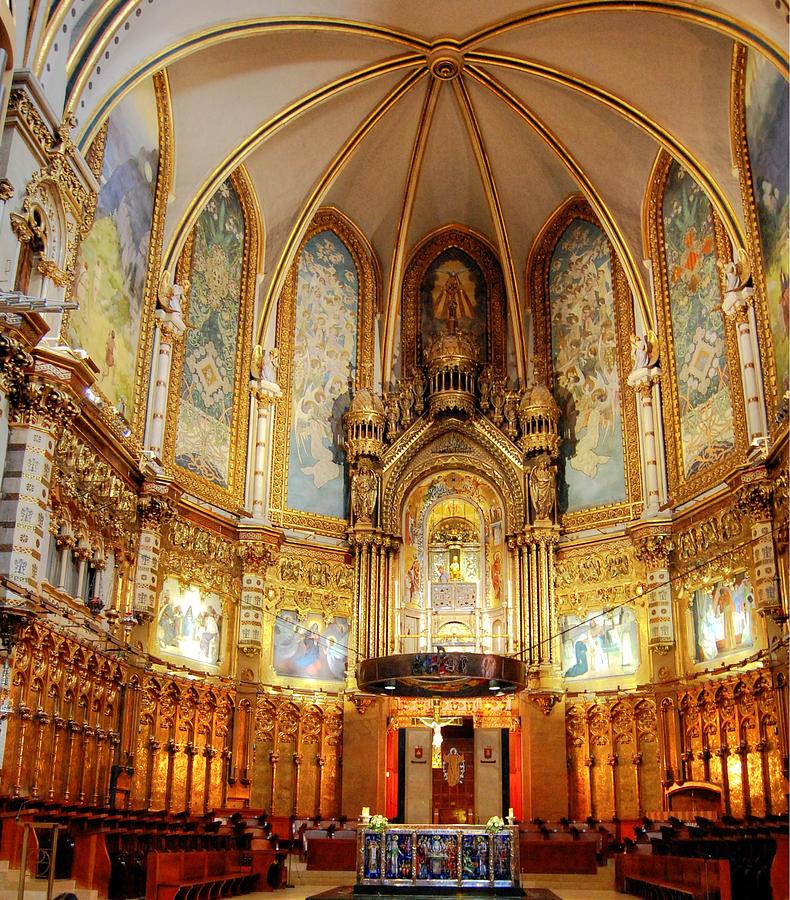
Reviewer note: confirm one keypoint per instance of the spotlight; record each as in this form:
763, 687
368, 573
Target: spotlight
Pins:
389, 685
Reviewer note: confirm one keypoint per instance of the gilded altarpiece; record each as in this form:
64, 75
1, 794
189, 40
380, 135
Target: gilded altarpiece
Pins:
327, 304
456, 257
760, 145
582, 356
115, 281
208, 404
703, 411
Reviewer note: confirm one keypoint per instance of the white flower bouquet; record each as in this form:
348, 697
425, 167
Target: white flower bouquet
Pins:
378, 823
494, 824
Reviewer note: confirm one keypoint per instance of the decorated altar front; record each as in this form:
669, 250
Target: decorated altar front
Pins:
437, 856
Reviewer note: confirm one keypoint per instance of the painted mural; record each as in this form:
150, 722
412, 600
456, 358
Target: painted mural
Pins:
325, 351
601, 644
584, 355
310, 647
706, 419
189, 623
767, 134
205, 410
111, 268
454, 283
721, 618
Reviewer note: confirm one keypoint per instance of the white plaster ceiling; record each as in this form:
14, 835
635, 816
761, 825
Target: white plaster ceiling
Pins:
611, 83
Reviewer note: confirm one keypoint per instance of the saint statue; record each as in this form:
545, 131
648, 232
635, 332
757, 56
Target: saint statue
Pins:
541, 489
363, 491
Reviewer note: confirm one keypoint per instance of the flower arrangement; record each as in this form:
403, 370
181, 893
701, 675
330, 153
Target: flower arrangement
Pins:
378, 823
494, 824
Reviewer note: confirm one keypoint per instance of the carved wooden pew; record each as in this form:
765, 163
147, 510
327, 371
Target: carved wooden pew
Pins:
198, 873
672, 877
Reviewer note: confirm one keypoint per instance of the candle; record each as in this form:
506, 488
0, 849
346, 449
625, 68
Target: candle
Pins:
365, 811
510, 813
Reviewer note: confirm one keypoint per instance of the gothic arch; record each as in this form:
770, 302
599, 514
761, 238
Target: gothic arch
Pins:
451, 446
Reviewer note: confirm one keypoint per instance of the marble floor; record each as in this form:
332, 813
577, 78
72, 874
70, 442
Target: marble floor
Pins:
566, 887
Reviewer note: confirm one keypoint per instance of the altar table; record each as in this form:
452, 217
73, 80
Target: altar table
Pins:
438, 856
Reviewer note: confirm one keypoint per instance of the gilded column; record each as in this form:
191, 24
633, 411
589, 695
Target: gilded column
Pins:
364, 425
652, 545
38, 411
753, 491
256, 557
155, 507
170, 328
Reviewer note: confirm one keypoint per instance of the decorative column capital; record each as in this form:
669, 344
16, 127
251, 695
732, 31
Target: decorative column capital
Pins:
15, 361
156, 505
171, 326
40, 403
652, 545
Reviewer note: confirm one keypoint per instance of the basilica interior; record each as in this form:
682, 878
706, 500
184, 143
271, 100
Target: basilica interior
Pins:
393, 420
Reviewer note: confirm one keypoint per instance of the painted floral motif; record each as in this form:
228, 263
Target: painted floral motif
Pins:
206, 408
697, 324
587, 383
767, 134
110, 279
325, 350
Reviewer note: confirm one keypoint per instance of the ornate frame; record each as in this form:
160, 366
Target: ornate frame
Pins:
308, 580
326, 219
164, 181
233, 495
537, 283
740, 152
680, 487
420, 259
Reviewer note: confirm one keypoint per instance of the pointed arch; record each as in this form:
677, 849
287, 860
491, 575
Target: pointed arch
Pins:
704, 424
208, 390
308, 477
586, 365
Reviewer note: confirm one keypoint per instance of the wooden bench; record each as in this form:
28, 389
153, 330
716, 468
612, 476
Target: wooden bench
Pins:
198, 873
672, 877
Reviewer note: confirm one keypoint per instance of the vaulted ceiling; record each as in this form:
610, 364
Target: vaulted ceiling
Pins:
409, 115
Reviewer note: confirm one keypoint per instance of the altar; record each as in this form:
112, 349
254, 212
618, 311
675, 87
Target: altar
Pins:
434, 859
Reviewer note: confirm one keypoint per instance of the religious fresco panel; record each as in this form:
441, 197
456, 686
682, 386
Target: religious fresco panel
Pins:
189, 623
311, 647
703, 380
206, 405
454, 282
600, 644
586, 379
324, 358
721, 618
111, 266
767, 125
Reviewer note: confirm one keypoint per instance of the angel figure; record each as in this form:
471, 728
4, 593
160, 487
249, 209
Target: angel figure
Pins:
739, 286
170, 294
